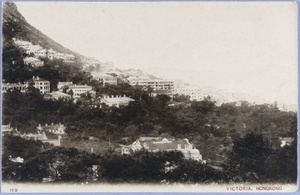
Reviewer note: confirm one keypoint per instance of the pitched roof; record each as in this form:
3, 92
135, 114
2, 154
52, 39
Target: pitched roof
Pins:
36, 79
80, 86
116, 100
149, 138
164, 144
38, 136
50, 127
65, 83
287, 139
58, 94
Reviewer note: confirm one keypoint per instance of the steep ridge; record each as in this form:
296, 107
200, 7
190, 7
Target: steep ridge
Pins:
14, 25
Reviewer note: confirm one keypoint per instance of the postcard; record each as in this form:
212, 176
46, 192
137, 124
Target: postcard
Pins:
142, 97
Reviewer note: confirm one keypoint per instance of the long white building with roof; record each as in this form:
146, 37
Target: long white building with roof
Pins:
116, 101
163, 144
155, 84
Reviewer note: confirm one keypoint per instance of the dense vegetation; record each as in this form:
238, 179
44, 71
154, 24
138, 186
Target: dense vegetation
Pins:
251, 160
212, 129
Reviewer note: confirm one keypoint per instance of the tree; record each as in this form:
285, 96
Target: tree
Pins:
248, 159
283, 163
181, 98
206, 106
193, 171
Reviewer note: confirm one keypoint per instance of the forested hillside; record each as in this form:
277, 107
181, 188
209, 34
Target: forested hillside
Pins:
211, 128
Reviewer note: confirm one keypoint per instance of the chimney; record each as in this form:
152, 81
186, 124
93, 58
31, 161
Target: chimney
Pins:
59, 137
33, 77
46, 125
37, 78
51, 123
179, 147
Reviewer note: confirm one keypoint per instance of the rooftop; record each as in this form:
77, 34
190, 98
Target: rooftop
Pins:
165, 144
36, 79
113, 100
80, 86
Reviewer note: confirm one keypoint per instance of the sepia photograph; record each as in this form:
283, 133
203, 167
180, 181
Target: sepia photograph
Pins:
142, 97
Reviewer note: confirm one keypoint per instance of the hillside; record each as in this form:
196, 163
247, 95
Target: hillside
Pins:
15, 25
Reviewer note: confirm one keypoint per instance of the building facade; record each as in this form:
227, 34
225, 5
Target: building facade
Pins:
116, 101
58, 129
159, 144
154, 84
79, 89
39, 83
13, 86
193, 92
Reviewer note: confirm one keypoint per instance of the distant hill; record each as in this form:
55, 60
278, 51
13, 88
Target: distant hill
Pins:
15, 26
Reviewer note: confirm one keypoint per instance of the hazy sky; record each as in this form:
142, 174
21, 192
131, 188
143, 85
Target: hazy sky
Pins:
249, 47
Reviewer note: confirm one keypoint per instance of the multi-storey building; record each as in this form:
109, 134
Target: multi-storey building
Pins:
155, 84
193, 92
39, 83
79, 89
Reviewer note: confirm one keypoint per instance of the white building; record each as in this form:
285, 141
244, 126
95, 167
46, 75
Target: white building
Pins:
194, 93
79, 89
116, 101
39, 83
156, 145
155, 84
58, 129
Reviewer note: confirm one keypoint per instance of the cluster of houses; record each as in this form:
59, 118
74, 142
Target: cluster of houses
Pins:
37, 82
38, 51
97, 65
134, 77
66, 90
58, 130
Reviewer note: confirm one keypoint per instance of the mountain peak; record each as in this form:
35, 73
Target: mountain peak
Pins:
10, 5
16, 26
